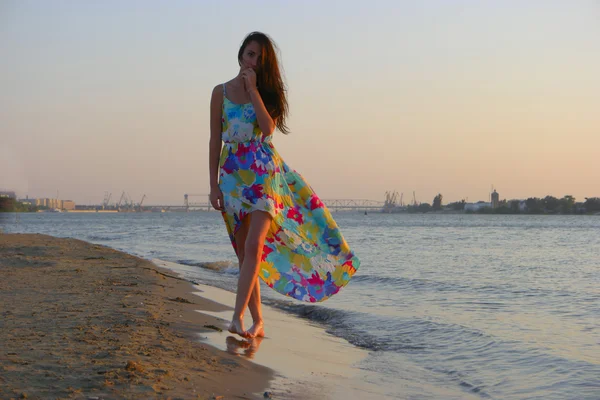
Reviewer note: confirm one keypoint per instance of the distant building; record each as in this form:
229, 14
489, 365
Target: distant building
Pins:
55, 203
522, 205
68, 205
27, 201
477, 206
7, 194
495, 199
517, 205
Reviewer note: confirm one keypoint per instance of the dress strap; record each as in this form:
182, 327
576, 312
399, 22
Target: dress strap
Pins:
224, 91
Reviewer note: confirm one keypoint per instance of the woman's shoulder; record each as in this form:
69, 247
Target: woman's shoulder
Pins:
217, 97
218, 90
221, 89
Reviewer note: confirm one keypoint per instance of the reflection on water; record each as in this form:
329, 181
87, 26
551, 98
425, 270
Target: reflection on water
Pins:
243, 347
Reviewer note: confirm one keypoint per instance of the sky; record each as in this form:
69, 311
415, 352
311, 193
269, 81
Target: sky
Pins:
446, 97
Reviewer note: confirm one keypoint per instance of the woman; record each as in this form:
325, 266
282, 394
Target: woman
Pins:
279, 228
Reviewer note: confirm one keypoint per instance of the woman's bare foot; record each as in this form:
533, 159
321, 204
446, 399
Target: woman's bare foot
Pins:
257, 330
237, 326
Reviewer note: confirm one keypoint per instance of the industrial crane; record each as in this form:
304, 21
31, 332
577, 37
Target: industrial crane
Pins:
415, 203
107, 197
121, 200
141, 202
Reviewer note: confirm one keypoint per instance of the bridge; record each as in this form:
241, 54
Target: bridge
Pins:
353, 204
202, 203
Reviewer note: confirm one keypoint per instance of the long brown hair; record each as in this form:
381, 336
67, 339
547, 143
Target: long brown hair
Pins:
268, 78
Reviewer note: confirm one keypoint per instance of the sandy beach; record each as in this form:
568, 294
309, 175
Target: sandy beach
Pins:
80, 320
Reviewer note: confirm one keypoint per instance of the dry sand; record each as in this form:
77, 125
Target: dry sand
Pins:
84, 321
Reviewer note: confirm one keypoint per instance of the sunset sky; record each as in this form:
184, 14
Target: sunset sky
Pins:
434, 97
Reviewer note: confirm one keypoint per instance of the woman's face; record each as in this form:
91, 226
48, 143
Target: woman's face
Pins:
251, 56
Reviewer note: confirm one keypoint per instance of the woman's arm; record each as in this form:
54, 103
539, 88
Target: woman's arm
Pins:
214, 153
265, 122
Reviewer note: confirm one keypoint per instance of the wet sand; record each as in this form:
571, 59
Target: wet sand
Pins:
79, 320
308, 362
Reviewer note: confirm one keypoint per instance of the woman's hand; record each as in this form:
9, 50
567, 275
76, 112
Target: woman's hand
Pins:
216, 199
249, 78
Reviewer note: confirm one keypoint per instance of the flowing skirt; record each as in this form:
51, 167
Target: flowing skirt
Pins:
305, 255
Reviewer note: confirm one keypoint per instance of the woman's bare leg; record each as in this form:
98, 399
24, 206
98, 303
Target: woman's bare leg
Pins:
255, 303
248, 280
257, 328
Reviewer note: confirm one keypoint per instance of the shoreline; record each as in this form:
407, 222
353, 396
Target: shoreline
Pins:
87, 321
83, 320
308, 361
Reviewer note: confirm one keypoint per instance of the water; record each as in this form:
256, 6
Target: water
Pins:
477, 306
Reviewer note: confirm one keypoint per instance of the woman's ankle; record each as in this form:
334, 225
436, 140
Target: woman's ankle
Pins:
237, 318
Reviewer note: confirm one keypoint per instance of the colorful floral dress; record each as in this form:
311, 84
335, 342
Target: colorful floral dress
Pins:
305, 255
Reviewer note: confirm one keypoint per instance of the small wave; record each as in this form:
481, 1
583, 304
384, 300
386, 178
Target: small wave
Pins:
103, 238
382, 333
225, 266
408, 282
339, 323
487, 289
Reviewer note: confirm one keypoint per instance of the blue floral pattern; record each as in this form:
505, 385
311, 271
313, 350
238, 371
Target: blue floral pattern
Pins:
305, 255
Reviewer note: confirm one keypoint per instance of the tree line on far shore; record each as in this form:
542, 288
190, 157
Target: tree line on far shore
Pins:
8, 204
532, 205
